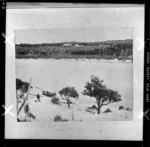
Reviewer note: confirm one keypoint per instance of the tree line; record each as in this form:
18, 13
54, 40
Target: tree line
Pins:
114, 49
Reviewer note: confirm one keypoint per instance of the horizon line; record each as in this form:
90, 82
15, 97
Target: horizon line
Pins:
73, 41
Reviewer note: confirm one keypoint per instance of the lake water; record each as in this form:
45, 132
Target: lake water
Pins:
53, 75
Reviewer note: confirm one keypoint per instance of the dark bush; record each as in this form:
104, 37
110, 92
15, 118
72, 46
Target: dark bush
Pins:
121, 107
22, 85
128, 109
59, 118
94, 107
107, 111
55, 100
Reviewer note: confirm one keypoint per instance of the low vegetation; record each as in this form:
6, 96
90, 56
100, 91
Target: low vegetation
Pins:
59, 118
55, 100
21, 85
95, 88
120, 49
107, 111
121, 108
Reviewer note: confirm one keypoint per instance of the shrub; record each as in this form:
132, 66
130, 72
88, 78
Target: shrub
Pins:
121, 107
94, 107
59, 118
107, 111
128, 109
55, 100
20, 85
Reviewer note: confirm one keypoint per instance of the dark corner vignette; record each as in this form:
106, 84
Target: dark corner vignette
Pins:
2, 65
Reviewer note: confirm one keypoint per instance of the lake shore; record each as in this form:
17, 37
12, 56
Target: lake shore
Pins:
79, 59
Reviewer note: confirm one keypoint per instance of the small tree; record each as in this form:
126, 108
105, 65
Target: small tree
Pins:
104, 96
67, 93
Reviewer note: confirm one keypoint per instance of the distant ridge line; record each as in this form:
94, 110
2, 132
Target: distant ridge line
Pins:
77, 42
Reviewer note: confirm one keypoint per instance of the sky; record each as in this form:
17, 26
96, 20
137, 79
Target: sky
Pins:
35, 36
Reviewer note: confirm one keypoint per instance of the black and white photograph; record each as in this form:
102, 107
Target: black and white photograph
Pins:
74, 72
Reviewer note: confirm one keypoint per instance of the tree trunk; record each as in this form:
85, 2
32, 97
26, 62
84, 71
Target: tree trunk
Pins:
99, 109
68, 102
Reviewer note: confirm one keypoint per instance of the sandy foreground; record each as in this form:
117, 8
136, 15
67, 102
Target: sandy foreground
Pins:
46, 111
53, 75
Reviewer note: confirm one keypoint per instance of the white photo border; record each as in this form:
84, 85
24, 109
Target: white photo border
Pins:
113, 130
